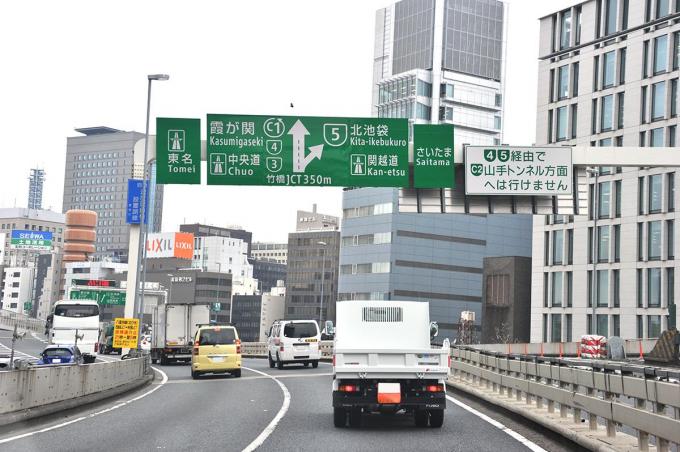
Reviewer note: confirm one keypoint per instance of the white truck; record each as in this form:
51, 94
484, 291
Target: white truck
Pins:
173, 328
383, 362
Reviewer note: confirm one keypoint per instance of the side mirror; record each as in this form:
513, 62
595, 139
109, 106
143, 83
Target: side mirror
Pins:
434, 330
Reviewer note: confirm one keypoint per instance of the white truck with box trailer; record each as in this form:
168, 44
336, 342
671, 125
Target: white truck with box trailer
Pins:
383, 362
173, 328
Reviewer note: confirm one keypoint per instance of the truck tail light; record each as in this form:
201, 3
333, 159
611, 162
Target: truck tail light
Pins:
434, 388
349, 388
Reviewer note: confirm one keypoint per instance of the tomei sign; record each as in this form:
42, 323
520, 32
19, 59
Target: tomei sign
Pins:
170, 244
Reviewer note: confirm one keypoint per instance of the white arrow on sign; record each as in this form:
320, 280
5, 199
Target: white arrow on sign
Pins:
300, 162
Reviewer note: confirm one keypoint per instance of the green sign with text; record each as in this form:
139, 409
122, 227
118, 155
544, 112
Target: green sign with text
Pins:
178, 151
433, 156
307, 151
102, 297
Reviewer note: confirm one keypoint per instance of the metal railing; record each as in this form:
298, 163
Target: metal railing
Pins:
10, 318
623, 398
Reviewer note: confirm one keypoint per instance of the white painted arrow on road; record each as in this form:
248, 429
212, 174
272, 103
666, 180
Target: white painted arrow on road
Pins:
300, 162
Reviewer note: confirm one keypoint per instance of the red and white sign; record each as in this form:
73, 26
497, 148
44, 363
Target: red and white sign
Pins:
170, 244
593, 346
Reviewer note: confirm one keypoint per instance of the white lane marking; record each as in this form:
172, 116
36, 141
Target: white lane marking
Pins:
257, 442
35, 336
17, 352
526, 442
222, 380
89, 416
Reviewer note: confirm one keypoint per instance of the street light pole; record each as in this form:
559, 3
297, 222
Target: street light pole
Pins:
323, 278
141, 249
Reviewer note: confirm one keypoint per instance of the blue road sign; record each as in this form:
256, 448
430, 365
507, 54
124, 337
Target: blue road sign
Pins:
134, 201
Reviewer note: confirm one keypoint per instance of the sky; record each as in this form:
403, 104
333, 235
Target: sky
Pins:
76, 64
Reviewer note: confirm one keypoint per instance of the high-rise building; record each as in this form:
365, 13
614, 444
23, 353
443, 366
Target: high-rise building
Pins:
98, 166
35, 188
436, 61
17, 289
12, 219
315, 221
608, 76
204, 230
267, 273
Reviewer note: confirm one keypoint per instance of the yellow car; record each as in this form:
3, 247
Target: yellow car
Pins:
217, 349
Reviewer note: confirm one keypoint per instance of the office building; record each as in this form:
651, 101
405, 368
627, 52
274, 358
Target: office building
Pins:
315, 221
236, 232
267, 273
253, 315
312, 274
608, 76
35, 188
46, 290
222, 254
17, 289
98, 166
270, 252
28, 220
439, 62
506, 300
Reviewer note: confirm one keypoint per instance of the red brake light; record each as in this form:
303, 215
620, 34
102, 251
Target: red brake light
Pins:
96, 347
349, 388
333, 360
434, 388
281, 349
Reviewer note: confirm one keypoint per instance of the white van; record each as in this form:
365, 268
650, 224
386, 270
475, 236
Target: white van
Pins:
294, 341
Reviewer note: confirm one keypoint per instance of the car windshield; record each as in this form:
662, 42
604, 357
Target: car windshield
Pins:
76, 310
57, 352
217, 336
299, 329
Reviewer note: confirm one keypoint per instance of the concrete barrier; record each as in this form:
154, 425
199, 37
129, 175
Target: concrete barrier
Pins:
24, 323
41, 390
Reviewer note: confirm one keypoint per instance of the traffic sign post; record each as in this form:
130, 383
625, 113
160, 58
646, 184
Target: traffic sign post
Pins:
307, 151
178, 151
433, 156
516, 170
103, 297
125, 332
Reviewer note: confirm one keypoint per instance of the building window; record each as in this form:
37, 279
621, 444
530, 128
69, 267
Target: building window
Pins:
593, 117
567, 327
602, 288
670, 245
655, 190
641, 195
590, 245
643, 105
545, 290
617, 199
640, 288
565, 29
619, 110
671, 192
602, 325
622, 66
639, 327
656, 137
570, 289
557, 289
610, 17
550, 126
660, 54
603, 199
658, 100
574, 121
640, 242
558, 247
574, 79
676, 49
556, 328
661, 8
654, 240
603, 243
608, 69
546, 249
645, 58
570, 246
653, 326
616, 324
654, 287
617, 243
589, 324
562, 123
545, 327
617, 286
590, 288
670, 287
674, 98
606, 114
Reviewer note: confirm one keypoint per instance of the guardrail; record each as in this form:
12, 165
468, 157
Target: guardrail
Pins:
40, 390
622, 397
10, 318
632, 347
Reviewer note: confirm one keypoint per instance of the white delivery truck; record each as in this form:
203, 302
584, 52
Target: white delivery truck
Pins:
383, 362
173, 328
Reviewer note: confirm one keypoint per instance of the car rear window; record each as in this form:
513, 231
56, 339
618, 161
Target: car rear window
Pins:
58, 352
296, 329
217, 336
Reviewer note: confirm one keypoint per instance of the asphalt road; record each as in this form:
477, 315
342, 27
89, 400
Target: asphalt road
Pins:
232, 414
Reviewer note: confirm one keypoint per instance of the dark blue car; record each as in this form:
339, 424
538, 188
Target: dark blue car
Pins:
60, 354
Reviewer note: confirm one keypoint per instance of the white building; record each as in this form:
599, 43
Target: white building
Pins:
91, 270
271, 252
17, 288
608, 76
224, 255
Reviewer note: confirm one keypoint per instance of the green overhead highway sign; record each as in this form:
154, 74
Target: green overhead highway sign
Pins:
101, 296
305, 151
178, 151
433, 156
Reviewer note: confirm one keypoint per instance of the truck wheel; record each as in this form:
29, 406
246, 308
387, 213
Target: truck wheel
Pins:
306, 364
315, 364
279, 363
436, 418
154, 360
355, 418
237, 373
271, 361
339, 417
420, 417
164, 360
194, 375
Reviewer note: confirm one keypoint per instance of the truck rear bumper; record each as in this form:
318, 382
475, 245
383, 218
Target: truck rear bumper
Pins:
429, 401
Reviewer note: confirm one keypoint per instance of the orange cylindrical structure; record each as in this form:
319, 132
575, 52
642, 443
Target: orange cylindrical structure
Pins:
80, 235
